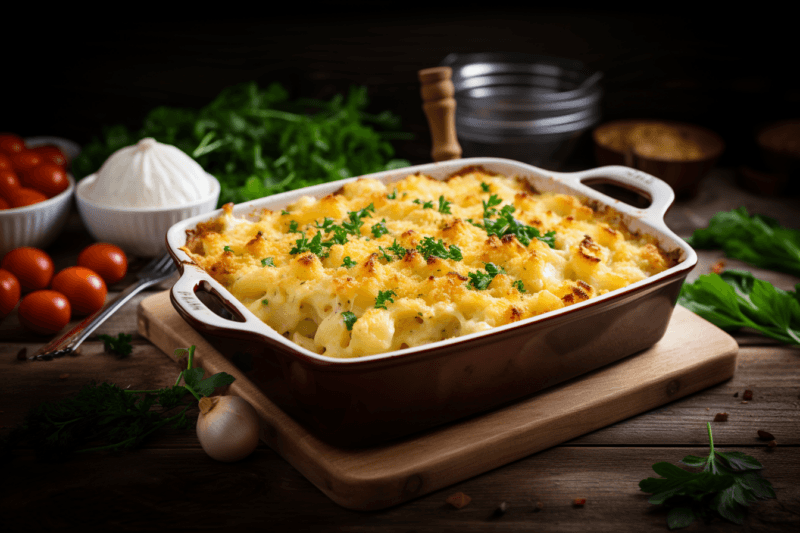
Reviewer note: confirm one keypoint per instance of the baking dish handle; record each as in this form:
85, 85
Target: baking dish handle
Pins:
193, 309
660, 194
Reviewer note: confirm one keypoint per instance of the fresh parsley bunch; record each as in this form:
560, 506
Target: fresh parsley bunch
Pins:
103, 416
757, 239
726, 485
257, 142
735, 299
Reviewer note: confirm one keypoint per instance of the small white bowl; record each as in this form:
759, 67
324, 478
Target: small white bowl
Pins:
138, 231
35, 225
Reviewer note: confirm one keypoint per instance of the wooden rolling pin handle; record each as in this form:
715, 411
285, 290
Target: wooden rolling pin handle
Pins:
440, 108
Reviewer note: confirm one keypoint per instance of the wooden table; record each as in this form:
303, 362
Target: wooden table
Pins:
170, 483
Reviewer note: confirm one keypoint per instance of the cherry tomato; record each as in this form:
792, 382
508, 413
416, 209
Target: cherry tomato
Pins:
9, 183
51, 153
11, 144
5, 162
44, 312
24, 161
24, 196
9, 292
85, 290
106, 259
32, 267
47, 178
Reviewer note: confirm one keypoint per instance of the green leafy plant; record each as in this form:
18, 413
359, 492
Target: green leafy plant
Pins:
120, 345
727, 484
756, 239
257, 142
103, 416
736, 299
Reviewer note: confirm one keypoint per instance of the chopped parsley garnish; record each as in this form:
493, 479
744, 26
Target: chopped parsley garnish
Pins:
431, 247
485, 187
379, 229
304, 245
284, 212
385, 255
488, 207
353, 223
265, 301
397, 250
326, 225
480, 280
506, 224
519, 286
348, 263
425, 205
393, 195
228, 249
349, 319
293, 227
267, 261
383, 297
444, 206
339, 236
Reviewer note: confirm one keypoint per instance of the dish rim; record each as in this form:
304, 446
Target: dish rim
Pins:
650, 218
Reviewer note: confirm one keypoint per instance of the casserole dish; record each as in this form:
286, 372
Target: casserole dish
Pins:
365, 400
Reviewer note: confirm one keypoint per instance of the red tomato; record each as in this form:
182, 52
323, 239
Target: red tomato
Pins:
9, 183
9, 292
106, 259
85, 290
47, 178
24, 196
45, 312
5, 162
24, 161
11, 144
51, 153
32, 267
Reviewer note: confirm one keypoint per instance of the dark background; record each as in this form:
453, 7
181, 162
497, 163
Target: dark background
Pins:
69, 73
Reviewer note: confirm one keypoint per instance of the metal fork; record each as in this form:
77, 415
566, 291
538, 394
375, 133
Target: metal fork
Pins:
154, 272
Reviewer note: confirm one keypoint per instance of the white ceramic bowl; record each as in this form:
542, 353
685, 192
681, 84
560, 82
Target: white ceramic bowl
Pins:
138, 231
35, 225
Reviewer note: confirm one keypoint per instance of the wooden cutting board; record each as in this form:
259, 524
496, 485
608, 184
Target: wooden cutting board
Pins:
693, 355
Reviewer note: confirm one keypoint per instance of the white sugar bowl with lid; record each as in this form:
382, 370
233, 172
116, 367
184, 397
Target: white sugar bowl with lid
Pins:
140, 192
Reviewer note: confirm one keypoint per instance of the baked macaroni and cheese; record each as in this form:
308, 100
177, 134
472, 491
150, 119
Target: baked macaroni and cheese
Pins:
377, 268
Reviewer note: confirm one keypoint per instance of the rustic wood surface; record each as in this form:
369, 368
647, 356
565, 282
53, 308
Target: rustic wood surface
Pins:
171, 484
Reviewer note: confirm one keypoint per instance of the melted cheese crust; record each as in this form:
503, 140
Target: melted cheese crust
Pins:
312, 298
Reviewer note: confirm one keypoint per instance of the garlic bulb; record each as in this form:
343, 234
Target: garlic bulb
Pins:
149, 174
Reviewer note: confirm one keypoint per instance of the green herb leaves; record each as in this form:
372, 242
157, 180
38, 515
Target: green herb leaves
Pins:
431, 247
757, 239
349, 319
728, 483
383, 297
267, 261
257, 142
102, 416
506, 224
120, 345
480, 280
736, 299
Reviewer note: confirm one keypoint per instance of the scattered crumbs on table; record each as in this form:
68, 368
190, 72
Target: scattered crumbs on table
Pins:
748, 395
708, 408
63, 376
458, 500
736, 394
744, 401
538, 507
721, 417
772, 443
765, 435
22, 355
579, 502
